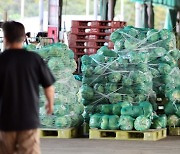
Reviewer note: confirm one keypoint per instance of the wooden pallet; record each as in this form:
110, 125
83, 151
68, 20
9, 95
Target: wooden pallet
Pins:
150, 135
174, 131
59, 133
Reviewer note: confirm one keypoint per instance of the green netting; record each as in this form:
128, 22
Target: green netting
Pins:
95, 121
126, 122
142, 123
173, 121
67, 110
159, 122
133, 111
142, 65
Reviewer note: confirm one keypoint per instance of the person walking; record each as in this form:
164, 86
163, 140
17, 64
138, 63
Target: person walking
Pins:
21, 74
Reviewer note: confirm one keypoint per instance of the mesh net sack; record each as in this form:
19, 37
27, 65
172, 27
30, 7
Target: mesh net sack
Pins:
159, 122
126, 122
67, 110
142, 123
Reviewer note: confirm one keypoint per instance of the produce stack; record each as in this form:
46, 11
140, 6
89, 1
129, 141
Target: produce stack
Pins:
160, 47
124, 82
67, 111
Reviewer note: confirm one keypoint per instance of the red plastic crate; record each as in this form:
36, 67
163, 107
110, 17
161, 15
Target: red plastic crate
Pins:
78, 30
100, 23
118, 24
78, 50
98, 37
91, 51
100, 30
76, 23
77, 37
74, 43
95, 44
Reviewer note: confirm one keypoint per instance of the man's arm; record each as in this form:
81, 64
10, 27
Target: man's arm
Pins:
49, 93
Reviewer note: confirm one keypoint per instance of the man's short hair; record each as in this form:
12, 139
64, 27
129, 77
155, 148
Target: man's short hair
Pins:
14, 31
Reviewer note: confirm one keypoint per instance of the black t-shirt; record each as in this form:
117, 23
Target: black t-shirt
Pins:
21, 73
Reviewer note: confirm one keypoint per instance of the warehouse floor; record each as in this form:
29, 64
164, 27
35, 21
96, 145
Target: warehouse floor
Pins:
170, 145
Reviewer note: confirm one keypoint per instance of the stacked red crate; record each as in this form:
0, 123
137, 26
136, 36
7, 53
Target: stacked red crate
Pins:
87, 37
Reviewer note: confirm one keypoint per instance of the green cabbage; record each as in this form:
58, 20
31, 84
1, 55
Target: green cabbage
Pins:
142, 123
126, 122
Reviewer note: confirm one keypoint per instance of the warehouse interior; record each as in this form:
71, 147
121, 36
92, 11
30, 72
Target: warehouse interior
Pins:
117, 70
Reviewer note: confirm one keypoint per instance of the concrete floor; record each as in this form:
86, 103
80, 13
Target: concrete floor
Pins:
170, 145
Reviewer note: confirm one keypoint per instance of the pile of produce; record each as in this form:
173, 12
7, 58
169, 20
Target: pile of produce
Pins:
142, 66
67, 111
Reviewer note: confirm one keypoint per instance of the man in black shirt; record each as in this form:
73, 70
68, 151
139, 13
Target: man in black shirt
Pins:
21, 73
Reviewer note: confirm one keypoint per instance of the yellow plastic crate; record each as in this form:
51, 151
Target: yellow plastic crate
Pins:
59, 133
150, 135
174, 131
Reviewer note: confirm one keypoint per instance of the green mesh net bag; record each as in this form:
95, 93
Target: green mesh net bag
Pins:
95, 121
105, 122
142, 123
173, 121
126, 122
159, 122
113, 122
133, 111
67, 110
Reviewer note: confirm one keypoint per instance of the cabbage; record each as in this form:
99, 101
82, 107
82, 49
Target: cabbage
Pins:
105, 122
133, 111
106, 109
86, 60
173, 121
115, 98
47, 121
87, 71
114, 36
113, 122
169, 108
126, 122
142, 123
153, 35
116, 109
114, 77
99, 70
99, 88
164, 68
147, 108
159, 122
110, 87
119, 45
63, 122
106, 52
87, 92
95, 121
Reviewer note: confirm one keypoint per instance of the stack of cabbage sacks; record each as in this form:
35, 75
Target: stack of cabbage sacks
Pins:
160, 47
67, 111
110, 77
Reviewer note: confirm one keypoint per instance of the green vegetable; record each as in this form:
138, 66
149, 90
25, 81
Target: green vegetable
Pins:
114, 77
142, 123
159, 122
105, 122
87, 92
115, 98
133, 111
126, 122
95, 121
173, 121
113, 122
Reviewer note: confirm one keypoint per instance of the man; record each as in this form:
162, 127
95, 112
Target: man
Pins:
21, 73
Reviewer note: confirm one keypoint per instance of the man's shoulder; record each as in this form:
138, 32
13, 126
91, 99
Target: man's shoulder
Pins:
33, 54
